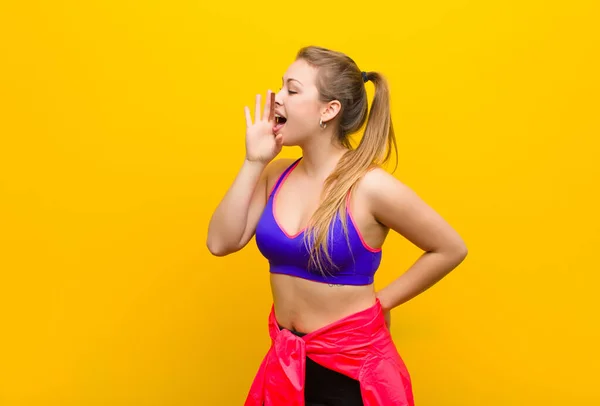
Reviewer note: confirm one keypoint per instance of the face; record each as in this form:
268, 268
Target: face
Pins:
298, 102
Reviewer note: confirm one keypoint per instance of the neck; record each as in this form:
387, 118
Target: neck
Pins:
320, 156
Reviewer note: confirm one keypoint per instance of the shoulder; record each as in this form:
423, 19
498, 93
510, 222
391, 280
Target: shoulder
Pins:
378, 183
275, 169
382, 190
398, 207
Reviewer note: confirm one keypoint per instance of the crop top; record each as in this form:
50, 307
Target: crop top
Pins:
355, 262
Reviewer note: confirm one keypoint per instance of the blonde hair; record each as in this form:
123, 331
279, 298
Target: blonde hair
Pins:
339, 78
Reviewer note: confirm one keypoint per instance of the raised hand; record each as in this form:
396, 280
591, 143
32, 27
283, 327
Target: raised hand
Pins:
262, 144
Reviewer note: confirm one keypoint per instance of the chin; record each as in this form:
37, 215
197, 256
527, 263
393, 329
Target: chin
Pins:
293, 140
290, 141
289, 144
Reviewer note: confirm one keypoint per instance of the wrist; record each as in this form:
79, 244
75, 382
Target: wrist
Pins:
385, 305
255, 163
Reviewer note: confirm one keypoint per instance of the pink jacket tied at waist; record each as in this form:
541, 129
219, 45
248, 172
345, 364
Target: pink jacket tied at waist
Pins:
359, 346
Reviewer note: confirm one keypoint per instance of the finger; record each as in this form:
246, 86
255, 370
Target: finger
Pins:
272, 112
248, 118
267, 110
257, 109
279, 140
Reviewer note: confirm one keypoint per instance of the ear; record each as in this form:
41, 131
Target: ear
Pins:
331, 110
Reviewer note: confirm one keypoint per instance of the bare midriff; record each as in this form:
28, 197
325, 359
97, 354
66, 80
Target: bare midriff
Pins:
305, 306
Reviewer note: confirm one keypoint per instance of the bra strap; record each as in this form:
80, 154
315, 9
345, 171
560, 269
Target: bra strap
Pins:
283, 175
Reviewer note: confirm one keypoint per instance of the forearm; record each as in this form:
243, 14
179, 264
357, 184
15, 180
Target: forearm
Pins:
229, 221
430, 268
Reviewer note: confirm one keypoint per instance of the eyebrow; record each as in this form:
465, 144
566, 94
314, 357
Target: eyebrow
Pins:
282, 79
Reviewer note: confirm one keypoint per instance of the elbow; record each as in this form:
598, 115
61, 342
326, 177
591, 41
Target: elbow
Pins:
219, 249
216, 249
460, 252
464, 253
217, 253
454, 253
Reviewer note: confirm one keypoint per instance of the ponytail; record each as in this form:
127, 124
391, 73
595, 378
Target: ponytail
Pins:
342, 80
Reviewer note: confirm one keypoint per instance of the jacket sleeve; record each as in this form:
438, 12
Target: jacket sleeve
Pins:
385, 382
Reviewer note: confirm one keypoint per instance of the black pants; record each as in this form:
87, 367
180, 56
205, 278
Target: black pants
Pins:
324, 387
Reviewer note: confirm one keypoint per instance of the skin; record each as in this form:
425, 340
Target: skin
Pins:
380, 203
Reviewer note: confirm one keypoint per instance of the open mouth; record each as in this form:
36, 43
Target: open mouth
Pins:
279, 123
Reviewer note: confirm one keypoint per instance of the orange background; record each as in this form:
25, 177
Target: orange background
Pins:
122, 126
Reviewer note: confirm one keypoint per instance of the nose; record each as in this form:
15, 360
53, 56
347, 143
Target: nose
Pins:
278, 98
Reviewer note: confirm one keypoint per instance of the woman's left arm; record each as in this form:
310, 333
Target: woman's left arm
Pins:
396, 206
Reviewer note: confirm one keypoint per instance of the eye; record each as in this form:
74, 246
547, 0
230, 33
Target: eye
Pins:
291, 92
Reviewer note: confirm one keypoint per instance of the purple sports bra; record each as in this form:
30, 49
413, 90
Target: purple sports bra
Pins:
356, 262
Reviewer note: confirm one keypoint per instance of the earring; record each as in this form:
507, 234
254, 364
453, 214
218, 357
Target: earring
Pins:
322, 124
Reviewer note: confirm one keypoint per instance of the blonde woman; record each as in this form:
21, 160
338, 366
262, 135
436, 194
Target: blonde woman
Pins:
320, 220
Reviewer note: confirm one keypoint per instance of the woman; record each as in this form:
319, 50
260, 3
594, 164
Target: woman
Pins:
321, 220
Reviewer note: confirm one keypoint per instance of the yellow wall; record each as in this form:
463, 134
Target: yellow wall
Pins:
121, 126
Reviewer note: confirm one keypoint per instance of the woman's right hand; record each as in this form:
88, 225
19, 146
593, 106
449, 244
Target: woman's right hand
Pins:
261, 144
